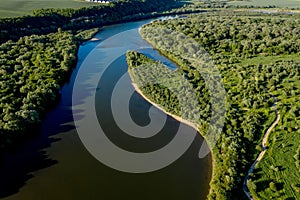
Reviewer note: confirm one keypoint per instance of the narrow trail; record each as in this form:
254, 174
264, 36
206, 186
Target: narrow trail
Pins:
264, 149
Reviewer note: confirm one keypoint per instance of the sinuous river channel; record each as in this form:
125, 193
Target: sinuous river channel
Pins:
56, 165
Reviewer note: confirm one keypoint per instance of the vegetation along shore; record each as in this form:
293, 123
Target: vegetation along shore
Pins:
258, 58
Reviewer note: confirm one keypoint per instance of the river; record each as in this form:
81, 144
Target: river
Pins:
56, 165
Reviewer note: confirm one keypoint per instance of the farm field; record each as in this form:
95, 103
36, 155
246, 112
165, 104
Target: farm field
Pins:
15, 8
279, 3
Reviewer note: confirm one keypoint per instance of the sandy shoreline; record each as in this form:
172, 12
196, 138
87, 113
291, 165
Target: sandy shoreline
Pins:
180, 119
195, 126
95, 39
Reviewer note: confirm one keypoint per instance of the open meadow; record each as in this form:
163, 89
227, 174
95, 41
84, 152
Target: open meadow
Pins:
15, 8
279, 3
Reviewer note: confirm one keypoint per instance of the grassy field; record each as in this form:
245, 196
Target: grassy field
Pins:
279, 3
264, 60
14, 8
277, 176
278, 166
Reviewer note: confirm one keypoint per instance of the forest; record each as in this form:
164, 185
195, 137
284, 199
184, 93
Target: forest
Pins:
257, 56
31, 73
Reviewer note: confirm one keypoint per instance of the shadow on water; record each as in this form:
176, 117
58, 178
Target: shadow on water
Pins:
18, 166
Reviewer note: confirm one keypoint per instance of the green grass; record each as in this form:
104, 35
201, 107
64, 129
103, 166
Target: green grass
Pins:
279, 163
15, 8
278, 166
279, 3
264, 60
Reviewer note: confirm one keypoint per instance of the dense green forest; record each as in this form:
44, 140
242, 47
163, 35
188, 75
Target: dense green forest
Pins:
39, 51
32, 70
258, 58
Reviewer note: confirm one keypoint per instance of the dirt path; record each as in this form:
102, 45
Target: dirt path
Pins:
264, 149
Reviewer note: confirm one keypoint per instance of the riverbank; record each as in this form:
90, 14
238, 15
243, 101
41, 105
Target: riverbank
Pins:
94, 39
179, 119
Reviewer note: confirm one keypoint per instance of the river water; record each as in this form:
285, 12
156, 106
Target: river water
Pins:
56, 165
